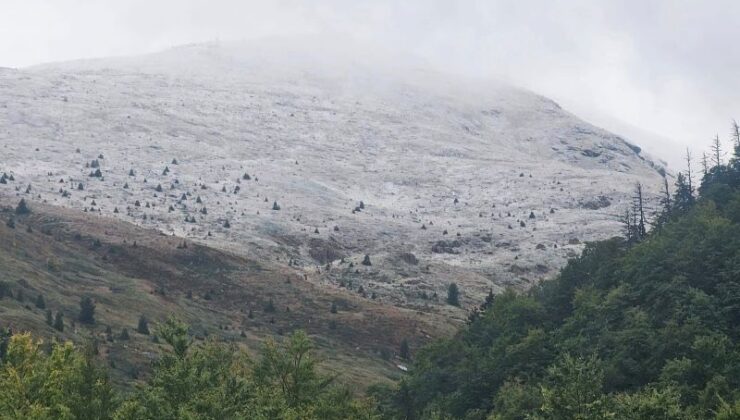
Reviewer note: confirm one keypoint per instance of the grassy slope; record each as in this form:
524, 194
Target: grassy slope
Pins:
62, 259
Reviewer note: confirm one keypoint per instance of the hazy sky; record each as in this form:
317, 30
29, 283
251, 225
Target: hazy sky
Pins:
669, 67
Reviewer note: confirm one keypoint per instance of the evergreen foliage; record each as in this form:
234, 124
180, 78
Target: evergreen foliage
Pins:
40, 303
22, 208
453, 295
87, 311
628, 330
143, 326
59, 322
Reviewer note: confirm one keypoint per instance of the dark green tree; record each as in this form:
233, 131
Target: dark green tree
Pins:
40, 303
404, 351
87, 310
143, 326
22, 208
59, 321
453, 295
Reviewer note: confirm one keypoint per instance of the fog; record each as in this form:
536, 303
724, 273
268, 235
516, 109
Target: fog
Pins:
661, 72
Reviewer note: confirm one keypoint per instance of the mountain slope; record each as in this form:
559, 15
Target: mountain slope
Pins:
448, 171
128, 271
632, 330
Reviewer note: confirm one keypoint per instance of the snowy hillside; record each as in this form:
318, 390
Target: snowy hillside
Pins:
464, 181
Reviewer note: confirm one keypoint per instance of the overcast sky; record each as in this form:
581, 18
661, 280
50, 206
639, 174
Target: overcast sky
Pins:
665, 67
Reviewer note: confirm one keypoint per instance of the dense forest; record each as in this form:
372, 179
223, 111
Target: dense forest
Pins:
641, 327
644, 326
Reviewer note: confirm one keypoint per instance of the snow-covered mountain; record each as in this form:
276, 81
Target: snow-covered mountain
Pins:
460, 180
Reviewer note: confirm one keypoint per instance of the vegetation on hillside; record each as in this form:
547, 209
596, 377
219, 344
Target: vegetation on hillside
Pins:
641, 327
645, 327
209, 381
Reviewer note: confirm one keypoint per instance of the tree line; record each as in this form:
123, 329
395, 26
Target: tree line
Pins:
643, 326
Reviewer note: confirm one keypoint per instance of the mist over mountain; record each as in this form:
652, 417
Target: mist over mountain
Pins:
481, 183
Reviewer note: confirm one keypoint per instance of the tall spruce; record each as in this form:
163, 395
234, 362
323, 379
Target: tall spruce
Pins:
453, 295
87, 311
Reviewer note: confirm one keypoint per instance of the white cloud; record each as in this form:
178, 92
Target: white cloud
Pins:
666, 66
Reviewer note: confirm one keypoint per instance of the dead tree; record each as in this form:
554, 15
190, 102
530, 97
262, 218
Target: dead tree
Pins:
638, 213
666, 201
689, 175
717, 151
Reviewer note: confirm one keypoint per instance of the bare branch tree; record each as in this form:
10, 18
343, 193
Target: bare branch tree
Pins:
689, 175
666, 201
626, 221
717, 151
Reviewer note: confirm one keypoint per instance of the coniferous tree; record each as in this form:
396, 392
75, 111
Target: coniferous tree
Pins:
403, 351
683, 196
59, 321
453, 295
143, 327
49, 318
270, 307
87, 310
40, 303
22, 208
